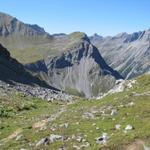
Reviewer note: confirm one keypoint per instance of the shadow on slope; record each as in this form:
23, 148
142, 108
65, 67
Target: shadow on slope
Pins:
12, 71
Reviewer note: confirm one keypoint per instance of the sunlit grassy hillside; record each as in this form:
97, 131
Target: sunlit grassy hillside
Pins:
24, 121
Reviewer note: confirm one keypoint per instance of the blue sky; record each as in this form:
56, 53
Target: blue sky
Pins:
105, 17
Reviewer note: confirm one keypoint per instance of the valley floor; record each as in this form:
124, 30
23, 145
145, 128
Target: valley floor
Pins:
119, 121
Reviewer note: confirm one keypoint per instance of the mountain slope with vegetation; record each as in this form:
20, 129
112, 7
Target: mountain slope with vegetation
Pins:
12, 71
117, 121
26, 42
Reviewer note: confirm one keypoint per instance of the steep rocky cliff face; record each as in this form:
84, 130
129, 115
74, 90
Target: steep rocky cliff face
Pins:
127, 53
80, 68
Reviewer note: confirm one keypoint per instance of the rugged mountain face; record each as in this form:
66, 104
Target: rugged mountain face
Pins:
11, 71
127, 53
10, 25
80, 69
75, 64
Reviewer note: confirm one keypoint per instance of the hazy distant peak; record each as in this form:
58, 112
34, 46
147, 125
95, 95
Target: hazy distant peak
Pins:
122, 34
59, 35
126, 53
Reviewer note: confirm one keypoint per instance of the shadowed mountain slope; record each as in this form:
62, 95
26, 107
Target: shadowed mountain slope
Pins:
11, 71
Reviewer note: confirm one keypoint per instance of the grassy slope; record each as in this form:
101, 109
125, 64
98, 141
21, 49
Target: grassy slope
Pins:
29, 50
137, 115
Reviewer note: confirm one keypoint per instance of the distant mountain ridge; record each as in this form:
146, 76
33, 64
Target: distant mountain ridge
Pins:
26, 42
10, 25
127, 53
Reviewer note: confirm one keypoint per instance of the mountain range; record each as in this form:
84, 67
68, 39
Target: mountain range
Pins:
75, 62
129, 54
13, 72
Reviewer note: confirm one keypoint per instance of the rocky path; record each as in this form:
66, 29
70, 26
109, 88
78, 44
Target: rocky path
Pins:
40, 124
137, 145
11, 136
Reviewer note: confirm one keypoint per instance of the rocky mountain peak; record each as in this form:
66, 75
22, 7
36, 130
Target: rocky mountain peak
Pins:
80, 68
127, 38
72, 56
5, 18
145, 36
121, 35
10, 25
126, 53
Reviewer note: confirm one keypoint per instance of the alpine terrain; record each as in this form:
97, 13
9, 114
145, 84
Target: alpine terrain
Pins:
127, 53
80, 69
73, 91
